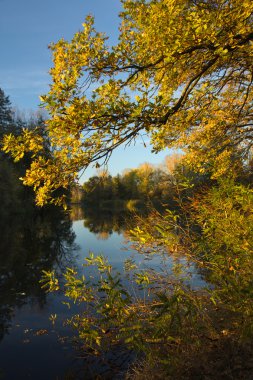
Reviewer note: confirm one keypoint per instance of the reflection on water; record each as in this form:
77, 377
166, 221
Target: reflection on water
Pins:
101, 222
30, 242
76, 212
29, 245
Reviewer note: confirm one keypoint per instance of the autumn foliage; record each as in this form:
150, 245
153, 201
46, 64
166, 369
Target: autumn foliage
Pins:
180, 73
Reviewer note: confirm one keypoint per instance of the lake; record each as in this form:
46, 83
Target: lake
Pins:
31, 346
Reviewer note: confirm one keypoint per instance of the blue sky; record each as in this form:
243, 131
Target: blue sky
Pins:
27, 27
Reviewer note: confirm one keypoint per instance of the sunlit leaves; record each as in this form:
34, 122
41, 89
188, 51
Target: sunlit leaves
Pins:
30, 141
49, 281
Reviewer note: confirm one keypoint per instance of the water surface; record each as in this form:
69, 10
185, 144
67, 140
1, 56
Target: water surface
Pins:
31, 347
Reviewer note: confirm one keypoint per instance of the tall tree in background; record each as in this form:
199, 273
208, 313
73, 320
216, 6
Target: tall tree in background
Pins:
6, 114
180, 73
9, 184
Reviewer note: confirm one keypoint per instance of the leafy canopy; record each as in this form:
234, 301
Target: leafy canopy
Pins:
181, 73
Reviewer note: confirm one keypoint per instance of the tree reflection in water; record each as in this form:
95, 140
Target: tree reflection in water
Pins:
103, 222
32, 240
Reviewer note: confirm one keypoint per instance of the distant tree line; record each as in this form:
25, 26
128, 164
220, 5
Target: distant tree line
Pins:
148, 183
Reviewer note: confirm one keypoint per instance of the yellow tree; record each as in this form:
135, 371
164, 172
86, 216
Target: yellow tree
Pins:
171, 162
181, 73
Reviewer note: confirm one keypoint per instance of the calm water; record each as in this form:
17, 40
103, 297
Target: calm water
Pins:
30, 346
